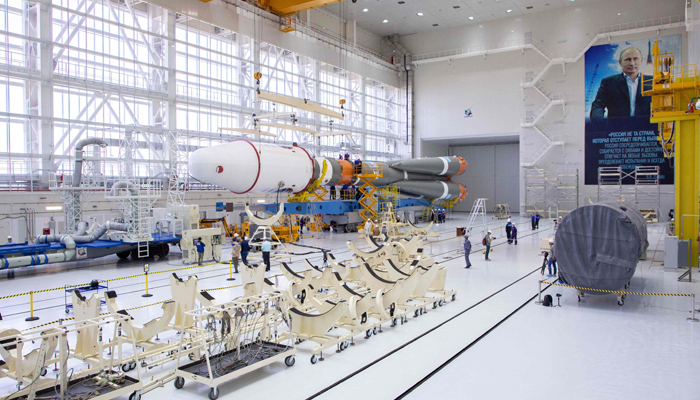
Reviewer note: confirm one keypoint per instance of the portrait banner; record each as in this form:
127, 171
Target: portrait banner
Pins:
617, 130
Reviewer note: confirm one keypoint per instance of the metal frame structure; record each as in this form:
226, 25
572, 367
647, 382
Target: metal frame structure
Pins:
567, 190
535, 190
100, 68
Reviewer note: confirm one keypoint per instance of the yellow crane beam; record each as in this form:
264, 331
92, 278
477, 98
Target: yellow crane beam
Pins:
292, 6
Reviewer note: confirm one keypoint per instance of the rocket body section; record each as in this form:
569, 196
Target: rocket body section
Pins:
242, 167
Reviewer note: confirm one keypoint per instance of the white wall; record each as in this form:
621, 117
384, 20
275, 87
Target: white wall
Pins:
491, 86
493, 173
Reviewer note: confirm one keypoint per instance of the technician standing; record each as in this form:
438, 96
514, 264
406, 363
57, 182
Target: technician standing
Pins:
266, 247
509, 226
552, 262
537, 221
332, 192
368, 227
302, 220
467, 250
245, 249
487, 243
235, 252
200, 251
514, 234
532, 221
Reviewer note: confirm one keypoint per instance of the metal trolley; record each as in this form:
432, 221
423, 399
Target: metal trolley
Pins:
235, 338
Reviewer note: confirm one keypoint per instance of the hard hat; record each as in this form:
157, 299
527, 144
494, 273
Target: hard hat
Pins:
508, 219
9, 237
551, 241
235, 235
489, 231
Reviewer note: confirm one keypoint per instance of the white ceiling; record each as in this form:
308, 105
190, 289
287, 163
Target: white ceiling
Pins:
403, 18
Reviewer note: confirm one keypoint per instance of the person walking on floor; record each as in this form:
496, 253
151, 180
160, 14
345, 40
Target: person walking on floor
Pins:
514, 234
552, 262
487, 242
509, 226
266, 247
532, 221
368, 227
537, 221
200, 251
245, 249
467, 250
235, 252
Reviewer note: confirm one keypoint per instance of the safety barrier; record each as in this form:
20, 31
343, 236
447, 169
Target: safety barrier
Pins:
145, 274
622, 292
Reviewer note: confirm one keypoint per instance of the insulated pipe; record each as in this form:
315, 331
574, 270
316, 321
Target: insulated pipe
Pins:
99, 231
66, 254
133, 188
78, 171
82, 228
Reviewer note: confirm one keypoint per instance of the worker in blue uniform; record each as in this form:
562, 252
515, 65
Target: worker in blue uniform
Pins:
9, 240
509, 227
467, 250
245, 249
266, 247
552, 262
200, 251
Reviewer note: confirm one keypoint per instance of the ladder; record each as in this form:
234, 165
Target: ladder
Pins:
478, 209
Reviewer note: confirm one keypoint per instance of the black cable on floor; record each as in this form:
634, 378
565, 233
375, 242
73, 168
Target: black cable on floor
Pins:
459, 353
338, 382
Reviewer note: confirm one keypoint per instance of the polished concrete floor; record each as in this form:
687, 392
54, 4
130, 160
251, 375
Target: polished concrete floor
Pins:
492, 342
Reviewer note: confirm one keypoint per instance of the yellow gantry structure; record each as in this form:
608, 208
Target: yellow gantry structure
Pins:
674, 95
368, 173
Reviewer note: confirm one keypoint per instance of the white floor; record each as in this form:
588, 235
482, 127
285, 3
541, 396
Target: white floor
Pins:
593, 349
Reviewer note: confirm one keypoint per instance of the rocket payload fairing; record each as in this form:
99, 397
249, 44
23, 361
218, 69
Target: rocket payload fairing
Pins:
243, 167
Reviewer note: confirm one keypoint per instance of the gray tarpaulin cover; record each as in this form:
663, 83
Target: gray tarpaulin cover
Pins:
598, 246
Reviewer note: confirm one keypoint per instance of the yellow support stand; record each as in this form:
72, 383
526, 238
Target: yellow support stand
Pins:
368, 201
674, 91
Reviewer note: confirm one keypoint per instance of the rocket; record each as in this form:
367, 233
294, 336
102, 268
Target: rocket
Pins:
245, 167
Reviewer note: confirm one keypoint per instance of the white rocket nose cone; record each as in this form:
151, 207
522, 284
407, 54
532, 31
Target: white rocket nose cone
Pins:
234, 166
201, 165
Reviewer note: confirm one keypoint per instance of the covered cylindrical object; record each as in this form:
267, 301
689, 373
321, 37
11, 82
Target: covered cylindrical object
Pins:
433, 189
432, 166
243, 167
598, 246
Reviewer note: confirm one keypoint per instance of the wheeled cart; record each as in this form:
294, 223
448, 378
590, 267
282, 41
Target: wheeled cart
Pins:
235, 338
207, 370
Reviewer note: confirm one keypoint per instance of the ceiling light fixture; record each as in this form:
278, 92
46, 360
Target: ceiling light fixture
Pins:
529, 7
470, 18
420, 14
455, 7
385, 21
435, 24
365, 10
509, 11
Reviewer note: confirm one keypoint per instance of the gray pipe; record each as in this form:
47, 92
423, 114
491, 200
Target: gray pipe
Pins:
86, 238
99, 231
82, 228
78, 171
133, 188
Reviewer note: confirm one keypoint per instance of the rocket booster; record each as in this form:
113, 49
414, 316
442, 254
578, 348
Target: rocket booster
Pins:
242, 167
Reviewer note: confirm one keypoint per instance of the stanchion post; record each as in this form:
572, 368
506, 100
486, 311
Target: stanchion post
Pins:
31, 308
147, 294
539, 292
230, 271
692, 309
